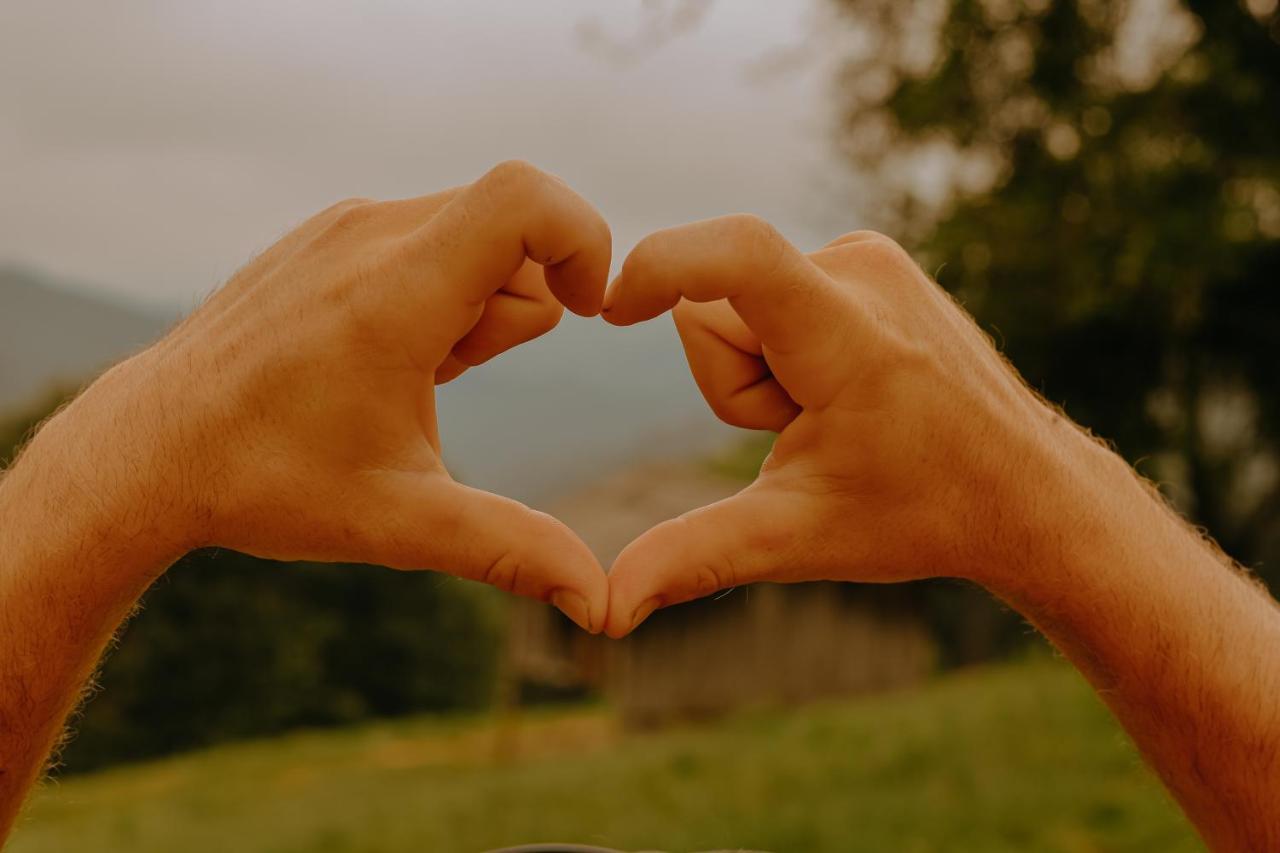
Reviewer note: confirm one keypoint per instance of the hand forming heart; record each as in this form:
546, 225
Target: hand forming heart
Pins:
898, 421
312, 431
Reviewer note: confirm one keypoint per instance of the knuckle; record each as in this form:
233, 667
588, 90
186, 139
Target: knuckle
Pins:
518, 176
753, 229
762, 246
645, 256
349, 216
880, 252
353, 202
861, 235
319, 222
336, 209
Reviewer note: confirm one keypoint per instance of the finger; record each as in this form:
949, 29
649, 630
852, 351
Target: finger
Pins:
781, 296
521, 311
481, 238
742, 539
440, 524
450, 369
727, 362
805, 323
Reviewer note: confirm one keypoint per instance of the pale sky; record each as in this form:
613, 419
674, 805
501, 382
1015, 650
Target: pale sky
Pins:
150, 148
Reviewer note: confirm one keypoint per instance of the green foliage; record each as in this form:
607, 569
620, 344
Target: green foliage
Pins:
943, 767
1113, 219
229, 646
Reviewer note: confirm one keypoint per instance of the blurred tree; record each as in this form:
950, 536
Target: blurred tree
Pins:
231, 646
1099, 183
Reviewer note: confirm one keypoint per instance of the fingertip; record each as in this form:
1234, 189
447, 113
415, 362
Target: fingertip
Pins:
611, 290
608, 306
598, 602
633, 584
577, 286
616, 629
587, 304
625, 615
579, 587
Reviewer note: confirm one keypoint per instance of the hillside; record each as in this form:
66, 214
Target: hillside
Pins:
1015, 757
54, 333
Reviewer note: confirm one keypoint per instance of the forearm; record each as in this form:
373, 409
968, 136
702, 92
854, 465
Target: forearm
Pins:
1182, 646
80, 540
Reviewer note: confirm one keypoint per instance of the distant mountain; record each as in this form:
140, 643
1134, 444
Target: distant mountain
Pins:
52, 332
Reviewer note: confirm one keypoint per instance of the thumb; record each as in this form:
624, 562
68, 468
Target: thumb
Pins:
743, 539
441, 524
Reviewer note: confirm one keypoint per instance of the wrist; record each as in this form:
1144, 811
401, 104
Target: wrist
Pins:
1061, 496
100, 475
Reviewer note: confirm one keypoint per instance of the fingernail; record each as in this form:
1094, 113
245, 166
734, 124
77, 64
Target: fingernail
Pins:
642, 612
574, 606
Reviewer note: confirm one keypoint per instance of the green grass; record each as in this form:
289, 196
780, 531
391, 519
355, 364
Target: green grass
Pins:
1015, 757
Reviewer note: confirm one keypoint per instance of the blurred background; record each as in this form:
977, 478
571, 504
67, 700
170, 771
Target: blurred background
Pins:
1099, 182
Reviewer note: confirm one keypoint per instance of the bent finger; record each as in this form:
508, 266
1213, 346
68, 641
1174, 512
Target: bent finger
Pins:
482, 236
521, 311
777, 291
728, 364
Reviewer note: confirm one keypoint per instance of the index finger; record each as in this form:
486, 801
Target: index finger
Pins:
782, 296
515, 211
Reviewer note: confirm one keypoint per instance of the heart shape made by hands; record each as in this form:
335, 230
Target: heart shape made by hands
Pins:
886, 398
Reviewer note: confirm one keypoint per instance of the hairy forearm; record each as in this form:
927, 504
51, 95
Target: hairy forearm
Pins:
80, 540
1181, 645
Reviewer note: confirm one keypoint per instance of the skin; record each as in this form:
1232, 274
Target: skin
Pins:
909, 448
293, 417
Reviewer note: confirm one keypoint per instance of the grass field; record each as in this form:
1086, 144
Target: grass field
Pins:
1015, 757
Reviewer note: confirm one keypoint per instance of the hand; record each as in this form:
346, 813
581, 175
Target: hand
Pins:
293, 416
899, 425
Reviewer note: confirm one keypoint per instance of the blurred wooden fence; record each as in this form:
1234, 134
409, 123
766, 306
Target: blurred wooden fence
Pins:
761, 645
764, 645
